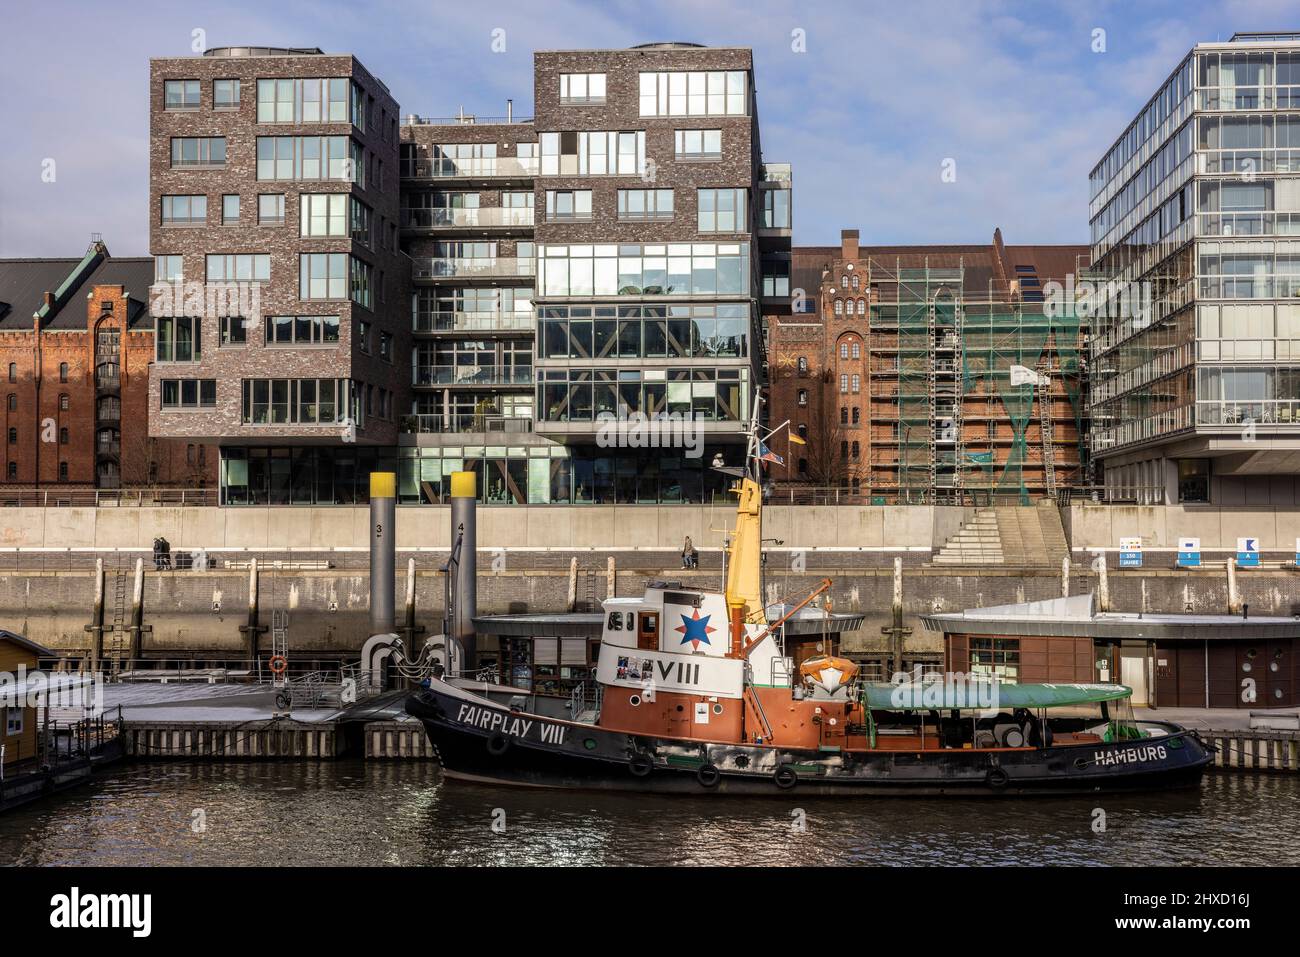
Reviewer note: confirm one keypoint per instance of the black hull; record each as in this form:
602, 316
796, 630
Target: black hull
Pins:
477, 740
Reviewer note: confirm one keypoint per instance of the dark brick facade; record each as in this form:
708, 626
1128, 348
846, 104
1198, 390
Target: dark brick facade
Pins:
283, 242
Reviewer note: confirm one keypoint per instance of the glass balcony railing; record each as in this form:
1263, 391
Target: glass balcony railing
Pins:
1249, 224
474, 322
477, 422
439, 268
462, 218
472, 375
443, 167
1246, 413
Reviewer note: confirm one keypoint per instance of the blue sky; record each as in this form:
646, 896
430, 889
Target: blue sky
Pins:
883, 95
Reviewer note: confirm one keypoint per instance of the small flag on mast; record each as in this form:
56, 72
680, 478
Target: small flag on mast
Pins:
767, 455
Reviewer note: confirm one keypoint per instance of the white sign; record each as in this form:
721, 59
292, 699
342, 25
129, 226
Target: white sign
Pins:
701, 712
1023, 375
664, 671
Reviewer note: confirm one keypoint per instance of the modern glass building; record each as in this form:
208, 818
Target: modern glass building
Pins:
1195, 216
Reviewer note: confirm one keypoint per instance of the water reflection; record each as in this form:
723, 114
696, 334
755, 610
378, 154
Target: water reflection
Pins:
350, 812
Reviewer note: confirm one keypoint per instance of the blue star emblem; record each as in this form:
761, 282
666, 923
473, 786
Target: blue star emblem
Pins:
696, 629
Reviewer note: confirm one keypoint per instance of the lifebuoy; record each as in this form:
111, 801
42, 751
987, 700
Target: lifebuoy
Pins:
996, 779
708, 775
785, 777
278, 664
640, 764
498, 744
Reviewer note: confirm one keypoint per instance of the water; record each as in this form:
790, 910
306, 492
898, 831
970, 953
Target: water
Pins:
353, 812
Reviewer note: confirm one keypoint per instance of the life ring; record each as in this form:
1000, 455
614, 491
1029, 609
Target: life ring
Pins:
640, 764
278, 664
708, 775
498, 745
996, 779
785, 777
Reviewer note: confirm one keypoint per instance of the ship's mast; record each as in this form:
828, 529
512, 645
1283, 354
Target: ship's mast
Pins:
744, 579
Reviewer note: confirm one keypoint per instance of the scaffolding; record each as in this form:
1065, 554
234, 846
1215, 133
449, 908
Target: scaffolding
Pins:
951, 421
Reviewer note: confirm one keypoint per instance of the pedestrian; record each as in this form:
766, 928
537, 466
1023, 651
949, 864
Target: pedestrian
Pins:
157, 553
166, 549
690, 557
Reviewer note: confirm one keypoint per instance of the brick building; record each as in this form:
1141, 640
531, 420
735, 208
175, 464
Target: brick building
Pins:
895, 366
76, 343
273, 183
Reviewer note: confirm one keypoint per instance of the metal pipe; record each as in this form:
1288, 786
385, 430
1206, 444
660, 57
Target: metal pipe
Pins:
137, 611
1103, 583
464, 497
96, 626
383, 551
1065, 577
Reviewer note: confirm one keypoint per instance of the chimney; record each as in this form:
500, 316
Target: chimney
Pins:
49, 300
510, 111
848, 244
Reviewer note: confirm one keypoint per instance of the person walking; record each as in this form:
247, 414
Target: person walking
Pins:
690, 557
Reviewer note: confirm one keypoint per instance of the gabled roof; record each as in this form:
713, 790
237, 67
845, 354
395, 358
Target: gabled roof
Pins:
33, 647
24, 283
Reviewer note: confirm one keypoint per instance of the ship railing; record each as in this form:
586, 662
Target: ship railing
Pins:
782, 670
584, 698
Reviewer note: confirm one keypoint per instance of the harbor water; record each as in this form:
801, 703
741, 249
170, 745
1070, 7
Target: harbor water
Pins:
404, 813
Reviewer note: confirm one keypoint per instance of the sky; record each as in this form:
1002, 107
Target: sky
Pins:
872, 102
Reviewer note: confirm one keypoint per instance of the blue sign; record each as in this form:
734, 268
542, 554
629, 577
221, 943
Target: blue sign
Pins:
1130, 553
1248, 552
1189, 552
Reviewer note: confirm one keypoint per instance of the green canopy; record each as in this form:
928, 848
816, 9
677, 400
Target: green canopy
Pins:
974, 695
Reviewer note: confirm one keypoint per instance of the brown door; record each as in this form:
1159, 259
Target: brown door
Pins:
647, 633
1276, 690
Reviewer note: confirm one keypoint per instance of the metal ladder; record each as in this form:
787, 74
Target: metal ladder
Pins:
280, 642
115, 650
1045, 425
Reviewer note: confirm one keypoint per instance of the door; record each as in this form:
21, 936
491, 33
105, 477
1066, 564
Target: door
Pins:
647, 633
1133, 673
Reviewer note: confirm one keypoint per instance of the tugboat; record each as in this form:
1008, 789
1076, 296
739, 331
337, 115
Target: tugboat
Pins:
695, 694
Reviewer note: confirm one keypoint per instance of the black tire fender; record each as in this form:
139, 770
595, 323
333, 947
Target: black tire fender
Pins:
785, 776
498, 745
708, 775
996, 779
640, 764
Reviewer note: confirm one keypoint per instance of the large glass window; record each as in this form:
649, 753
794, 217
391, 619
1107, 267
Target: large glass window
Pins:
180, 94
179, 339
672, 269
324, 214
713, 93
296, 401
590, 153
722, 211
188, 393
323, 276
184, 210
240, 267
306, 158
572, 204
198, 151
225, 94
698, 144
303, 101
302, 330
634, 204
582, 88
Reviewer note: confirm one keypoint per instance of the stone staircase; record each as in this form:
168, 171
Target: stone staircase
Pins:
1025, 536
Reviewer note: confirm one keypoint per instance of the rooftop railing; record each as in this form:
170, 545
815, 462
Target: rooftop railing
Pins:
445, 167
455, 268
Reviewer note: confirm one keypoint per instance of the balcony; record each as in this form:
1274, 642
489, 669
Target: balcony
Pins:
483, 217
449, 424
472, 375
474, 322
777, 173
482, 268
445, 168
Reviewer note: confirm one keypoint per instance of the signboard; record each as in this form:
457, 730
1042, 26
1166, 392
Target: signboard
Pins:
1248, 552
1189, 552
1297, 551
1130, 553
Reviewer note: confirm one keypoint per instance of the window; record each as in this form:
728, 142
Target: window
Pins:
857, 415
361, 220
63, 435
855, 451
862, 307
803, 364
270, 209
184, 210
179, 339
324, 214
63, 372
180, 94
995, 656
637, 204
715, 93
234, 331
323, 276
230, 209
653, 269
803, 396
699, 144
593, 154
844, 383
225, 94
857, 383
189, 393
568, 204
844, 415
198, 151
13, 716
362, 285
857, 350
722, 211
855, 281
168, 268
302, 330
363, 336
13, 436
301, 401
243, 267
303, 101
776, 213
308, 158
63, 471
64, 401
13, 372
13, 471
386, 346
582, 88
839, 307
844, 350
